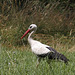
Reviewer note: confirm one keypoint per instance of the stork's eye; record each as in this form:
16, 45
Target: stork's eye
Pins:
30, 26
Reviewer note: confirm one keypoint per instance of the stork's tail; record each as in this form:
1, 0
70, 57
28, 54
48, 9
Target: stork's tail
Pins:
62, 57
58, 56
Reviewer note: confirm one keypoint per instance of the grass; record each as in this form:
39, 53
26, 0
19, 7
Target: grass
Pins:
23, 62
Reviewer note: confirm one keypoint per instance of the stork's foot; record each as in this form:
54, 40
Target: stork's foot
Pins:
37, 65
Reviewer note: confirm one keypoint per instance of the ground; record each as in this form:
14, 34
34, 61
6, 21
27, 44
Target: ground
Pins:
19, 61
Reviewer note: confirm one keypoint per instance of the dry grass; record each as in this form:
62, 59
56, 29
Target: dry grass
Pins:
72, 49
50, 21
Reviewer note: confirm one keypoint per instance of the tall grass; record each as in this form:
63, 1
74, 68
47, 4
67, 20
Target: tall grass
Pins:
23, 62
52, 18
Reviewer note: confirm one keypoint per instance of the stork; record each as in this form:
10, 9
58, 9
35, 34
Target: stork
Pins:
42, 50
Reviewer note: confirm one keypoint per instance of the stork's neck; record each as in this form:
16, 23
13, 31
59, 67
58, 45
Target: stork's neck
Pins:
30, 37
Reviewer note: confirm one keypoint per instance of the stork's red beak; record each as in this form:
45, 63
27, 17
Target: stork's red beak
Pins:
25, 33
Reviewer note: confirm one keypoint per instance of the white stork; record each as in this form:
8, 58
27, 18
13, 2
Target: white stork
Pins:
42, 50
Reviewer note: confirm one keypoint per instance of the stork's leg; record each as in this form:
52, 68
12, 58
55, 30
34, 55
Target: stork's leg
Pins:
49, 62
38, 61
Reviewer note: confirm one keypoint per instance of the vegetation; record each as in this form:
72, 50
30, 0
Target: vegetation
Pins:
56, 27
23, 62
52, 17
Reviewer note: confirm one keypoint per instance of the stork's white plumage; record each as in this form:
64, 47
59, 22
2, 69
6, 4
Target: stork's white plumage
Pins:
42, 50
37, 47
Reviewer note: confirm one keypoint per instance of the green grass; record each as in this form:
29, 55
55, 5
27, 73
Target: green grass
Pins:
23, 62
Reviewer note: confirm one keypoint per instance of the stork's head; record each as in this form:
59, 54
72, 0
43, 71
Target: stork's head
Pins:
32, 27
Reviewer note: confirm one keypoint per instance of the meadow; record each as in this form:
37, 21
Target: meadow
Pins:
56, 27
14, 61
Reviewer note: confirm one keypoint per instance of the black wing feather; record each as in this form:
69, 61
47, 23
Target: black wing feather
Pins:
56, 55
